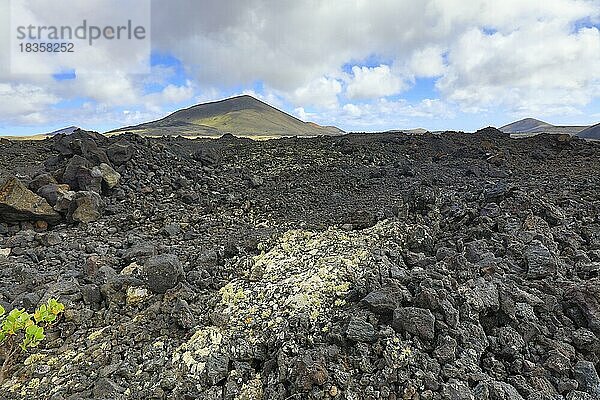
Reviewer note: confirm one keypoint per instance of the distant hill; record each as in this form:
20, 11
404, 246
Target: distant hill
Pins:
593, 132
41, 136
526, 125
64, 131
241, 116
415, 131
532, 125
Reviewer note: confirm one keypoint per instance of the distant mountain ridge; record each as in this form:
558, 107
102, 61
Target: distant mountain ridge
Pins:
526, 125
241, 115
414, 131
592, 132
532, 125
64, 131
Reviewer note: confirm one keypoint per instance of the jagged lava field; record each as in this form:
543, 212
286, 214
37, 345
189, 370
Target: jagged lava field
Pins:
363, 266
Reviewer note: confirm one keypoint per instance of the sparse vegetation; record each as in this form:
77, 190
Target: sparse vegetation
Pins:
20, 331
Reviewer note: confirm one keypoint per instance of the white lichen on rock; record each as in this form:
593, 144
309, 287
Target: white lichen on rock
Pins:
252, 390
194, 353
137, 295
304, 276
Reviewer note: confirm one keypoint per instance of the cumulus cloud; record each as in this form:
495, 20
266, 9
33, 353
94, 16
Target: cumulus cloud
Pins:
25, 103
530, 70
321, 92
352, 110
368, 83
107, 101
286, 44
427, 62
384, 114
171, 94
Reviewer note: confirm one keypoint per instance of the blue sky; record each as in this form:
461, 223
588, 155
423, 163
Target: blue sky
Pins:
362, 67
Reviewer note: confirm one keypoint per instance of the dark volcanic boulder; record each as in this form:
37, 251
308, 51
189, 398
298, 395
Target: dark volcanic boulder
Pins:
52, 192
82, 143
64, 199
72, 171
41, 180
206, 157
89, 179
139, 252
105, 388
17, 203
384, 300
416, 321
540, 262
496, 391
87, 148
457, 390
360, 330
62, 144
582, 303
510, 343
162, 272
119, 153
585, 373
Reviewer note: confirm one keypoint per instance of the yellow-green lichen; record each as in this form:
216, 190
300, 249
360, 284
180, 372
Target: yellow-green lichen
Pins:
252, 390
397, 352
304, 276
96, 334
194, 353
34, 359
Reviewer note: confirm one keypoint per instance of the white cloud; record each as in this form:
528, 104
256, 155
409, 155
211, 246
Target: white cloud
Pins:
369, 83
321, 92
352, 110
108, 102
177, 94
114, 89
534, 69
384, 114
171, 94
286, 45
25, 103
300, 113
428, 62
268, 97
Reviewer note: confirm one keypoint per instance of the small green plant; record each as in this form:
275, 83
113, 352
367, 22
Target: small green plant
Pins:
20, 330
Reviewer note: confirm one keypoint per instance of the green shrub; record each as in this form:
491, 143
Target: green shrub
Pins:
21, 330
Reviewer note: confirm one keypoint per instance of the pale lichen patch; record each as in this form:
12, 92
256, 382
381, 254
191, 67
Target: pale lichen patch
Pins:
305, 276
96, 334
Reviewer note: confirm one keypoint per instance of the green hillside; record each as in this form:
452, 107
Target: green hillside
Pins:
241, 116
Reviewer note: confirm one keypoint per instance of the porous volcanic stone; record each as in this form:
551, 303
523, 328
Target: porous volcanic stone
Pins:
162, 272
416, 321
